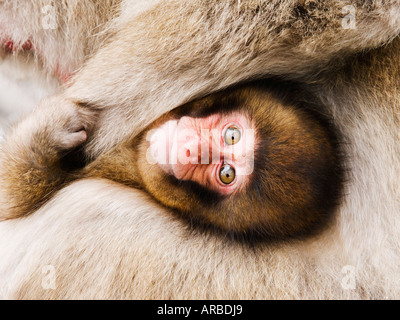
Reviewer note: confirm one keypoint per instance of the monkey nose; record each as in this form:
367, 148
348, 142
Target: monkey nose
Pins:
191, 151
195, 151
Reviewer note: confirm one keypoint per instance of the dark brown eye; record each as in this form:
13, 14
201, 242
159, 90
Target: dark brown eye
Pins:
227, 174
232, 135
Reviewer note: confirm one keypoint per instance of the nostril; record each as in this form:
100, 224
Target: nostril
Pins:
187, 153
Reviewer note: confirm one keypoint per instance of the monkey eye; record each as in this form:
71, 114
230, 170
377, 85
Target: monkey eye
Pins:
227, 174
232, 135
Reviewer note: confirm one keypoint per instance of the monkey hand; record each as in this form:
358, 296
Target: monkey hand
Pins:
34, 156
59, 126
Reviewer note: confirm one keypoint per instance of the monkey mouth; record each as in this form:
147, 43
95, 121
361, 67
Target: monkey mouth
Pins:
167, 147
162, 143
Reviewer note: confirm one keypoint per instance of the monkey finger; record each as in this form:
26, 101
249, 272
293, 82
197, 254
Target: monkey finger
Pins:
74, 139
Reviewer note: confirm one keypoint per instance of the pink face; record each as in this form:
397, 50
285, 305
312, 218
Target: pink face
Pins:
216, 151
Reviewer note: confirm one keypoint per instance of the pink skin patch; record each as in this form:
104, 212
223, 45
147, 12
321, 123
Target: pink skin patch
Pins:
63, 76
196, 149
27, 46
9, 46
12, 47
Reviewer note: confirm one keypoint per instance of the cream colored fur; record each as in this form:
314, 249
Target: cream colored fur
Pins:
103, 240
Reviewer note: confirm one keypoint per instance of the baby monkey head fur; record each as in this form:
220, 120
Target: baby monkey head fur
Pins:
295, 183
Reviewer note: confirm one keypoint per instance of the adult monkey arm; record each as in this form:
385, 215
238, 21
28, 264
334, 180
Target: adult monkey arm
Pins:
144, 58
179, 50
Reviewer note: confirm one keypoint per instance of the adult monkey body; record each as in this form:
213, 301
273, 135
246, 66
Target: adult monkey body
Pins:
361, 92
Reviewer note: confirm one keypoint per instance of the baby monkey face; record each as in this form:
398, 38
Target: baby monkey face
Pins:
246, 162
216, 151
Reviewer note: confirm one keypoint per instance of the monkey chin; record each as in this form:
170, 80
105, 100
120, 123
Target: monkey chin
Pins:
161, 141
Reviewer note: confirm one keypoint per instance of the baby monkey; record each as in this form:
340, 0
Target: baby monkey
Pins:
249, 161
